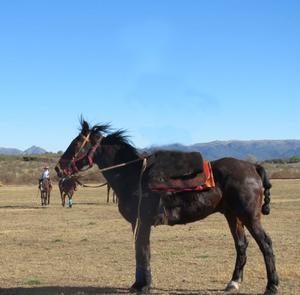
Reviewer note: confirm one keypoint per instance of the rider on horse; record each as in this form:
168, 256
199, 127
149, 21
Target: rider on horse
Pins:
45, 175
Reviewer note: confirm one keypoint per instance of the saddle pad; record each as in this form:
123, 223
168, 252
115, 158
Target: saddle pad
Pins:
193, 182
175, 164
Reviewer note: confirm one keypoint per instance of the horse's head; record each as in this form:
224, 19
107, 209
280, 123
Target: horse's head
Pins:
81, 150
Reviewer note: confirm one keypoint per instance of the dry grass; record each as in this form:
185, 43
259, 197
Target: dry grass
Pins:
89, 249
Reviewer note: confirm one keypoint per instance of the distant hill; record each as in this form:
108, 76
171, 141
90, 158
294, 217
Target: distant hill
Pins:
10, 151
34, 150
259, 149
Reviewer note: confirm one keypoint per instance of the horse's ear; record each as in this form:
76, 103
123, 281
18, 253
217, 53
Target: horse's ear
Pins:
85, 128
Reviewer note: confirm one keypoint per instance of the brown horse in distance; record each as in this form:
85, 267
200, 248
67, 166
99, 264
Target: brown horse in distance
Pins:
67, 187
45, 189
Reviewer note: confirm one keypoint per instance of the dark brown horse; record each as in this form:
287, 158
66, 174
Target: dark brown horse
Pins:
45, 189
240, 187
67, 187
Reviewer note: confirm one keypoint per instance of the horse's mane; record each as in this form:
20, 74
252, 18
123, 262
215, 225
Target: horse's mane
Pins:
98, 128
120, 137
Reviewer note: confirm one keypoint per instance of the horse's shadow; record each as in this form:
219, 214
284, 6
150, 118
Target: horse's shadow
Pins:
29, 207
55, 290
199, 292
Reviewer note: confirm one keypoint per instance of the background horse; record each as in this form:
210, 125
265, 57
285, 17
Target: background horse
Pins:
114, 197
67, 187
45, 189
240, 187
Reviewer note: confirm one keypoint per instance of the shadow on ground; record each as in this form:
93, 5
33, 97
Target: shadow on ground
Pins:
62, 291
104, 290
22, 207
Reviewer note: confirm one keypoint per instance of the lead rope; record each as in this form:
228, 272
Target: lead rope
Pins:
94, 186
138, 219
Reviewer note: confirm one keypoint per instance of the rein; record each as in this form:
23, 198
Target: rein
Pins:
120, 165
111, 168
138, 218
94, 186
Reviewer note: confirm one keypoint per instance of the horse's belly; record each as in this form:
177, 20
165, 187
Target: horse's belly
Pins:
189, 207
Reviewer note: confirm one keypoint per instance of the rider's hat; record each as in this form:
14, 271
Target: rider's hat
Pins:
46, 167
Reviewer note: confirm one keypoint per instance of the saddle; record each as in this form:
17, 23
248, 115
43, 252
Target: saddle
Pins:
173, 171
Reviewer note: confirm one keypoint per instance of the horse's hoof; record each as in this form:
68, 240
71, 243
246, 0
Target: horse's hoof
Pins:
272, 290
232, 286
139, 289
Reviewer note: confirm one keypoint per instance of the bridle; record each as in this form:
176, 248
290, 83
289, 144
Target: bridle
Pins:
72, 167
90, 156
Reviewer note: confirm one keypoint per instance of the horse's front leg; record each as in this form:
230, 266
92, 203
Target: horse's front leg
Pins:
142, 256
63, 198
70, 200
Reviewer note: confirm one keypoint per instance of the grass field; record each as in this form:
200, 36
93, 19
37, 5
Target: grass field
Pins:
89, 249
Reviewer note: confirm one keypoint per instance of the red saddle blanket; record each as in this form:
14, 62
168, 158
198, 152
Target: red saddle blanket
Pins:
198, 182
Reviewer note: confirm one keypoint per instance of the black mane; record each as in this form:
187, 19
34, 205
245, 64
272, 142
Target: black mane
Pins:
96, 129
120, 137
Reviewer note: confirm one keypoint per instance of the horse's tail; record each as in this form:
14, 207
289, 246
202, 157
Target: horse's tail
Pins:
267, 186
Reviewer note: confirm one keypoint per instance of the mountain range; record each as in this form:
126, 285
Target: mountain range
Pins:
251, 149
33, 150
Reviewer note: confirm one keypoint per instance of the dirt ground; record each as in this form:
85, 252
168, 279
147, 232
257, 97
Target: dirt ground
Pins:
89, 249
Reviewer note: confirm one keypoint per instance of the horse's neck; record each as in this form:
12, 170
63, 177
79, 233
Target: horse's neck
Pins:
122, 178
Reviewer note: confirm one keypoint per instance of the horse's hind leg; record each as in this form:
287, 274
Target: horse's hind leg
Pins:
265, 244
241, 244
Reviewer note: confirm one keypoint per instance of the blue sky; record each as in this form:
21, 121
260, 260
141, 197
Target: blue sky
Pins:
167, 71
